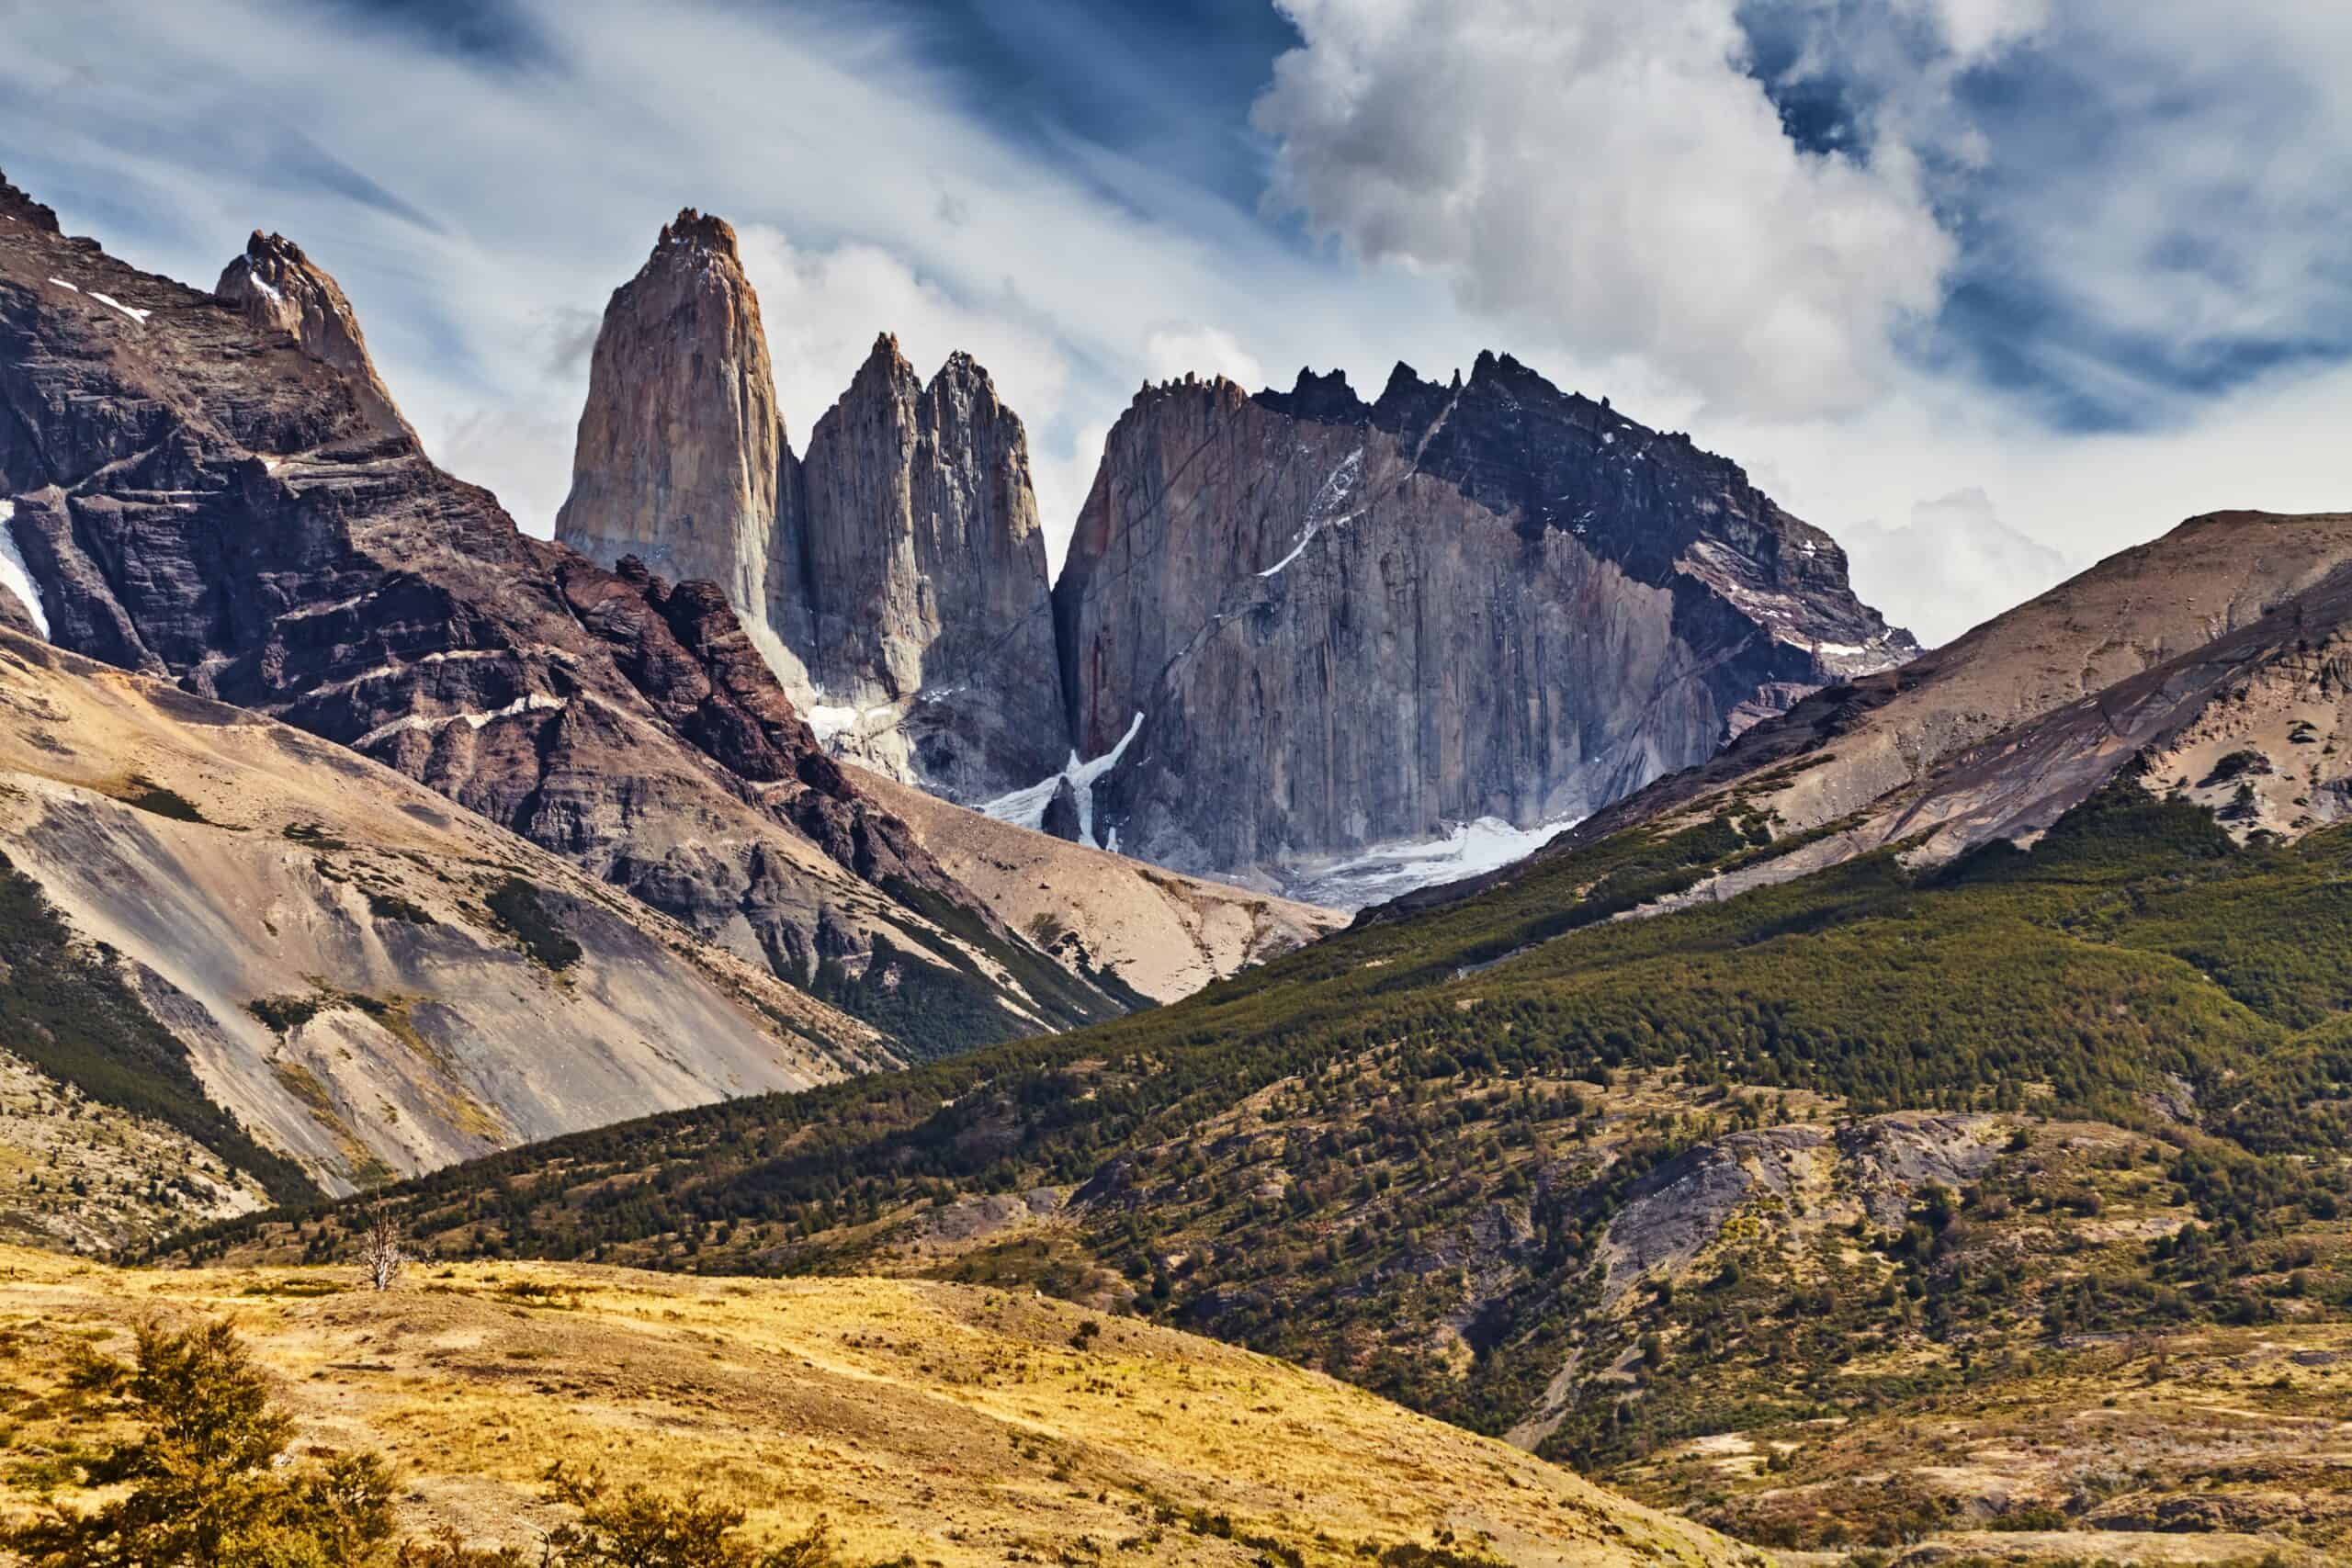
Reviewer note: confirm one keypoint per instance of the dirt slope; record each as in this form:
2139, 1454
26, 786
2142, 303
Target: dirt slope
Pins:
421, 1003
1164, 934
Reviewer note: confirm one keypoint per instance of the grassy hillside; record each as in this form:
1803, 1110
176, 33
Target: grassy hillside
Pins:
1838, 1151
926, 1423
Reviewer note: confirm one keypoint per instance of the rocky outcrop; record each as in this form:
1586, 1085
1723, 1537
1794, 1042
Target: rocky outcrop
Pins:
208, 502
1345, 624
1061, 819
895, 578
682, 454
277, 290
910, 574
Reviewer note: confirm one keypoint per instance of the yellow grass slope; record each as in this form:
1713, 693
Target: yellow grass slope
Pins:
949, 1424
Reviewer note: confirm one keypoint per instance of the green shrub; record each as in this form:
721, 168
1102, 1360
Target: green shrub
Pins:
515, 904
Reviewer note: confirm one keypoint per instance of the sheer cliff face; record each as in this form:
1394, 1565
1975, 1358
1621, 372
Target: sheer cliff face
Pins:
910, 574
1345, 624
895, 579
203, 500
681, 454
276, 289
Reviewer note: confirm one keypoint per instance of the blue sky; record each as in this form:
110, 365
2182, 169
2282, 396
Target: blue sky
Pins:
1986, 288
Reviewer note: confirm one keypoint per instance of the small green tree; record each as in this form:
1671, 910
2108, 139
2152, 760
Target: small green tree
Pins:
209, 1484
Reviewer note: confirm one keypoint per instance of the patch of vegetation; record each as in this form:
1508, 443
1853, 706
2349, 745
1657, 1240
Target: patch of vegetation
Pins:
285, 1014
515, 903
2238, 764
313, 835
394, 906
933, 1011
1065, 999
150, 796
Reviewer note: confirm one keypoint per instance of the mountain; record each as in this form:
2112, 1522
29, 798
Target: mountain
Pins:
1998, 731
947, 1424
1986, 1200
895, 577
269, 966
917, 581
1332, 625
1160, 933
681, 446
210, 500
278, 291
1340, 648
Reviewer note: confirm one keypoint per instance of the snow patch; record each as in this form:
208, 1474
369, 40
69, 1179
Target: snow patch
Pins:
1321, 513
111, 303
1839, 650
1027, 808
535, 701
65, 285
16, 576
1389, 871
829, 721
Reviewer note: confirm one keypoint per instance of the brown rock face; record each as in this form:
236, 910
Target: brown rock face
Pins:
277, 288
682, 452
208, 502
910, 574
1346, 624
895, 578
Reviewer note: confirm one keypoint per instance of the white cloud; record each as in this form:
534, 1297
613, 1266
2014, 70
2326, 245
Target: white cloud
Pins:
1612, 176
1975, 29
1952, 566
1171, 352
1594, 186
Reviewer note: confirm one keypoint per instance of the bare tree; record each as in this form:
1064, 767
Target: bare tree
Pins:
380, 1247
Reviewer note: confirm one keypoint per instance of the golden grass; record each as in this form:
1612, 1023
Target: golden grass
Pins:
952, 1425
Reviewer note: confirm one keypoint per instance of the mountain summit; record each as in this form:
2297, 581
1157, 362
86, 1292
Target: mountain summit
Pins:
681, 446
1350, 624
1336, 646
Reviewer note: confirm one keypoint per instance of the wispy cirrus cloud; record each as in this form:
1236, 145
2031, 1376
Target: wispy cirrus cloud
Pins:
2078, 263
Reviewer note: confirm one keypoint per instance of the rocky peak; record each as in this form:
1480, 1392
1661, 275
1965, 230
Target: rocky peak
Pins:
1354, 627
884, 366
1327, 399
912, 580
695, 230
279, 288
682, 459
18, 207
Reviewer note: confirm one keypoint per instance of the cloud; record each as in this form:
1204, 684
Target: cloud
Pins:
1613, 177
2086, 258
478, 210
1172, 353
1952, 566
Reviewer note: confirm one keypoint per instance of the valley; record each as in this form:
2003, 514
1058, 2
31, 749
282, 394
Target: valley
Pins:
932, 1423
835, 1015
